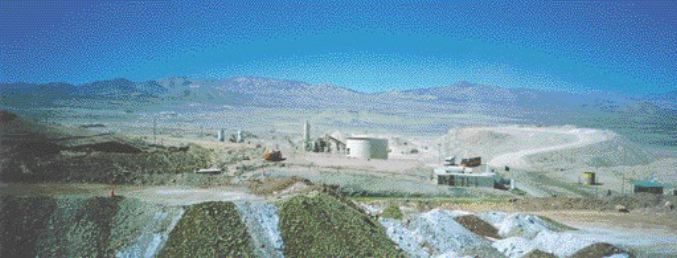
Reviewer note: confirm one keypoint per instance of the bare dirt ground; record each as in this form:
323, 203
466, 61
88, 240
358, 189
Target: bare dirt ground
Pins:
167, 195
341, 161
646, 233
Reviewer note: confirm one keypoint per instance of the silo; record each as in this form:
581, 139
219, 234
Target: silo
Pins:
306, 136
221, 135
367, 148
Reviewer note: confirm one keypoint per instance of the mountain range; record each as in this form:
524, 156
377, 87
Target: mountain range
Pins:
646, 114
268, 92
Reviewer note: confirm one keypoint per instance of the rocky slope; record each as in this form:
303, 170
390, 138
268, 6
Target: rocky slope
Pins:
312, 223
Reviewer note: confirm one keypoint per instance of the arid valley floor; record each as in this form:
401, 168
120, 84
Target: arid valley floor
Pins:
60, 163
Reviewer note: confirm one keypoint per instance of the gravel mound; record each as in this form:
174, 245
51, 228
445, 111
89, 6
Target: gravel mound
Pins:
514, 246
538, 254
493, 217
140, 229
598, 250
262, 224
451, 254
439, 230
210, 229
557, 244
322, 225
520, 224
404, 238
535, 236
478, 226
562, 244
523, 225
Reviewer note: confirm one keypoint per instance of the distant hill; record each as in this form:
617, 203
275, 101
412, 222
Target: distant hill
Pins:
666, 100
268, 92
590, 109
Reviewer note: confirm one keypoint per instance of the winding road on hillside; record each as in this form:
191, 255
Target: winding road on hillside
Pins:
517, 159
520, 165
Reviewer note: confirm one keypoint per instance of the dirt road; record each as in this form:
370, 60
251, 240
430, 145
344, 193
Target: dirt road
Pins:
518, 159
167, 195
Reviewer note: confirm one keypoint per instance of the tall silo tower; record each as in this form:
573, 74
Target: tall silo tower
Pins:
306, 136
221, 135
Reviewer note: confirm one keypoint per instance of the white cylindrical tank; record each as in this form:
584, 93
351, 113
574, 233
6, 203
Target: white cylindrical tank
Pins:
239, 137
367, 148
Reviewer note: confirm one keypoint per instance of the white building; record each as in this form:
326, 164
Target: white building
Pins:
367, 148
460, 176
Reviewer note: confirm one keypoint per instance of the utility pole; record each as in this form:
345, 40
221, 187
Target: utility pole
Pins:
155, 130
439, 153
623, 185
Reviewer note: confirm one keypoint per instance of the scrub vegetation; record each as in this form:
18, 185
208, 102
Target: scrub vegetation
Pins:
44, 226
32, 153
210, 229
21, 219
393, 212
320, 225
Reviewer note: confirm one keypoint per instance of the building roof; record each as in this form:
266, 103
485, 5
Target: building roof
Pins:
443, 171
364, 138
641, 183
208, 170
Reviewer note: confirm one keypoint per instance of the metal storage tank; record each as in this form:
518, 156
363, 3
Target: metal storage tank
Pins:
367, 148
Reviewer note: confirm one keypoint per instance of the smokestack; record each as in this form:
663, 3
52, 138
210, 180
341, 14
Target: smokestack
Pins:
239, 136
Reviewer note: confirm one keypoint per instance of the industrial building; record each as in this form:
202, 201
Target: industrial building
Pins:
647, 187
471, 162
464, 178
367, 148
589, 178
328, 144
466, 174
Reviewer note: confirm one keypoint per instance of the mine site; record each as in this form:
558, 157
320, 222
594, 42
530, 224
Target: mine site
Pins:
86, 188
273, 129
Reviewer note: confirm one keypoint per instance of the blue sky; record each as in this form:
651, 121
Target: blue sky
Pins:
628, 47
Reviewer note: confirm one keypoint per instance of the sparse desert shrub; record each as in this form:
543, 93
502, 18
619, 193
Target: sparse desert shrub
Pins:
598, 250
518, 191
211, 229
323, 226
393, 211
271, 185
478, 226
103, 167
21, 220
7, 116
